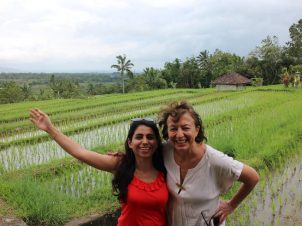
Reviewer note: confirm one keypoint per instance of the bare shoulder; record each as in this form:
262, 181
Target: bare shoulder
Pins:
249, 175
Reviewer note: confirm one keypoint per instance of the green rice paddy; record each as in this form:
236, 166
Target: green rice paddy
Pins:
260, 126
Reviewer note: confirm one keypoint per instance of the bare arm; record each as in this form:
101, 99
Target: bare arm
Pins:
249, 178
99, 161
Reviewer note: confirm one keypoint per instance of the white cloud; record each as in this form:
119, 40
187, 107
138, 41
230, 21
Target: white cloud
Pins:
88, 34
169, 3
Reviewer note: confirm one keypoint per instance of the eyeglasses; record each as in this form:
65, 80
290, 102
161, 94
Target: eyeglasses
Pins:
214, 220
142, 119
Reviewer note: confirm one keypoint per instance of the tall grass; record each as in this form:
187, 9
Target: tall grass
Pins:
36, 203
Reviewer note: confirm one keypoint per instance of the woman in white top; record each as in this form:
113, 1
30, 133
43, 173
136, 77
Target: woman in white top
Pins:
196, 173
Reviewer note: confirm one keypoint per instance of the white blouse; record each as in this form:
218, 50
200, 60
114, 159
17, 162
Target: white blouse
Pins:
213, 175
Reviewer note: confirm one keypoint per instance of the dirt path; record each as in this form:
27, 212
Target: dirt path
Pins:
7, 216
11, 221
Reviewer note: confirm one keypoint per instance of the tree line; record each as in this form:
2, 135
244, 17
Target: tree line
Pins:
17, 87
269, 61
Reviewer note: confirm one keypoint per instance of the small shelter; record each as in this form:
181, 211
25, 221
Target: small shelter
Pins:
231, 81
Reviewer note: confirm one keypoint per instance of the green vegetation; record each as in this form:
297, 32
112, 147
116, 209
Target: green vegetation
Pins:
123, 66
269, 63
260, 126
37, 203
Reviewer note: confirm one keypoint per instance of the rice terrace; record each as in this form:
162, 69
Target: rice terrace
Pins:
260, 126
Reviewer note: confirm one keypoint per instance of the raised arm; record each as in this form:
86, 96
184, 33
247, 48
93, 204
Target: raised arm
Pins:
249, 178
99, 161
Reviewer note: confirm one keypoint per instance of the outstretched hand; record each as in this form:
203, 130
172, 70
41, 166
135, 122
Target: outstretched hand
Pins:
40, 119
223, 211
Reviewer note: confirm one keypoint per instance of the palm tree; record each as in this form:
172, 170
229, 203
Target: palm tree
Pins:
123, 66
205, 65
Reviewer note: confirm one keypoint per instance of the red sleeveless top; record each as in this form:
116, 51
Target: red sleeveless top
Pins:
146, 203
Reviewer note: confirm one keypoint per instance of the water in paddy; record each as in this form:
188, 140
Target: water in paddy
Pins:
18, 157
277, 200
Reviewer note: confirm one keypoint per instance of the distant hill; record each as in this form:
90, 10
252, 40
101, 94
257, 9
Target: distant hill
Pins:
8, 70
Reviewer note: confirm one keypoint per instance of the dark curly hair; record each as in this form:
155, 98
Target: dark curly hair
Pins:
176, 110
125, 170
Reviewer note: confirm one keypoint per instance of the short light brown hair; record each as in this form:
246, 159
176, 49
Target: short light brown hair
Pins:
176, 110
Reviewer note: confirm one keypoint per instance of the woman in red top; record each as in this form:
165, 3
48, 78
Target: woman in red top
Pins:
139, 175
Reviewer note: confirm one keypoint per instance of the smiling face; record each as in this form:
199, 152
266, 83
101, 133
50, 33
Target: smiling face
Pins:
143, 142
182, 133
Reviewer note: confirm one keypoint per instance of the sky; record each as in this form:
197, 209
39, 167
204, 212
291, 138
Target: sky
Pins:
87, 35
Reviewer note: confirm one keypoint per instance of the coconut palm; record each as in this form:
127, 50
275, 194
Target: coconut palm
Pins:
205, 66
123, 66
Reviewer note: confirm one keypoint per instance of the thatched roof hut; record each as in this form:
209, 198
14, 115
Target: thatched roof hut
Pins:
231, 81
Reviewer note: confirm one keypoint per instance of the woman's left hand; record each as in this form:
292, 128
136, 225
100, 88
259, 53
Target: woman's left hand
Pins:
223, 211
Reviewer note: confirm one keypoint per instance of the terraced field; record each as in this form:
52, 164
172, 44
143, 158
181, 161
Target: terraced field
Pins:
259, 126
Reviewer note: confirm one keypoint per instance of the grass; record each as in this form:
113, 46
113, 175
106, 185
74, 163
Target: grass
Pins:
38, 204
261, 127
